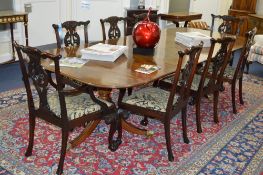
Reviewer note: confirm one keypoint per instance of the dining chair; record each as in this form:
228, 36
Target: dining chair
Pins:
229, 25
71, 37
232, 75
164, 105
205, 84
114, 31
66, 109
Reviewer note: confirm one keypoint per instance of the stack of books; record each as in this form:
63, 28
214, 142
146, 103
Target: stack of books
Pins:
192, 39
103, 52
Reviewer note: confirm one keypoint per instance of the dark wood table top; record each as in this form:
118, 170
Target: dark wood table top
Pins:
180, 16
121, 73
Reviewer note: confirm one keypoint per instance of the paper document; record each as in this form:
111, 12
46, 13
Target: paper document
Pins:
71, 62
147, 69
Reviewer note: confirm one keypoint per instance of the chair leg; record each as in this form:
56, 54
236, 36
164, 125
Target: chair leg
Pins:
247, 66
240, 91
32, 124
65, 134
231, 59
129, 91
233, 93
198, 117
144, 121
168, 140
184, 112
216, 94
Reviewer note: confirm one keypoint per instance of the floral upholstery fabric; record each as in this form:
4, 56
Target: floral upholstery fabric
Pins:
77, 105
150, 98
195, 83
229, 72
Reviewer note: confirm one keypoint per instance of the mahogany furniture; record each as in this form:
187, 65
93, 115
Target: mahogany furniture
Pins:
71, 37
132, 20
11, 17
163, 105
243, 8
114, 31
206, 83
121, 73
181, 16
230, 24
232, 75
255, 21
63, 108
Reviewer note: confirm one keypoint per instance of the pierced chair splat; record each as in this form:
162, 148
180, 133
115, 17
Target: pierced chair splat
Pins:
71, 37
163, 105
114, 31
230, 25
66, 109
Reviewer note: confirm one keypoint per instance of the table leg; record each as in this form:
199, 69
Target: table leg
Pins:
85, 133
26, 32
176, 23
12, 40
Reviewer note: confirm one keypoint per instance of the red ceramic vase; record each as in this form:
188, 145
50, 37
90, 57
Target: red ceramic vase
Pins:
146, 34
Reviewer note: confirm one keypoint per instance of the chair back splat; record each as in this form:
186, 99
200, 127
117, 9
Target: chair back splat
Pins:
229, 25
71, 37
220, 61
114, 31
246, 48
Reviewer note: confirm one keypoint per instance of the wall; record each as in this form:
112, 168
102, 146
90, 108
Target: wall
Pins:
179, 5
259, 9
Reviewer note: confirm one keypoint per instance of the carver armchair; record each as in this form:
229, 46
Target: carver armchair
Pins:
66, 109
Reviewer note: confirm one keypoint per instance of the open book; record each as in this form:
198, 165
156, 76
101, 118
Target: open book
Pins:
103, 52
192, 39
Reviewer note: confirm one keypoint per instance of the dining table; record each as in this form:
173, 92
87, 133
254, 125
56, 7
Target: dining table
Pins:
177, 17
120, 74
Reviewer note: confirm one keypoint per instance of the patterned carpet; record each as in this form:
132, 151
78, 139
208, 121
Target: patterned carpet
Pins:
234, 146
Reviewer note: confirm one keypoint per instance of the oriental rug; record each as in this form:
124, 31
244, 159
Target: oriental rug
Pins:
234, 146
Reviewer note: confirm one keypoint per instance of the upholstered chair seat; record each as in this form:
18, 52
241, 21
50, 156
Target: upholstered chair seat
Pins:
150, 98
77, 105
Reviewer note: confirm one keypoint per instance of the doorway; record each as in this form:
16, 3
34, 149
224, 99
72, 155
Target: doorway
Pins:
179, 6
